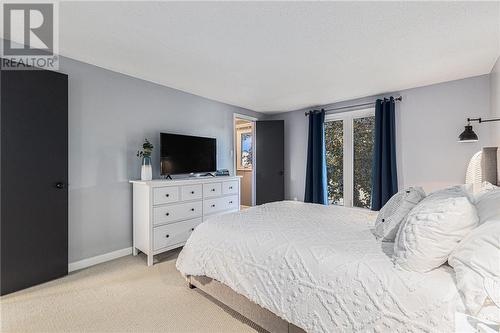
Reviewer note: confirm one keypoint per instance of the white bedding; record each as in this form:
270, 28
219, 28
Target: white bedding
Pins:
320, 268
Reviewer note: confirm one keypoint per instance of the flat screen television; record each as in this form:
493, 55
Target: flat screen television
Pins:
182, 154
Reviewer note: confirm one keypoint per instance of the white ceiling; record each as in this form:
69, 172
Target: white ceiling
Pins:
280, 56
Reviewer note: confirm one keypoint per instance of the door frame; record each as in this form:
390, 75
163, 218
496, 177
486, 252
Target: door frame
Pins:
235, 145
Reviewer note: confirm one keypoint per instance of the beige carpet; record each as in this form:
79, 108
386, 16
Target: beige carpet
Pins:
123, 295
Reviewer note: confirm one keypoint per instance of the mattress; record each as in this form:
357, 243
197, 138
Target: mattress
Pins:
320, 268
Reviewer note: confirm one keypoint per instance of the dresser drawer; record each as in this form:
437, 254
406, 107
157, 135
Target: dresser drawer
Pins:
220, 204
191, 192
176, 212
211, 206
230, 187
164, 195
212, 190
172, 234
230, 203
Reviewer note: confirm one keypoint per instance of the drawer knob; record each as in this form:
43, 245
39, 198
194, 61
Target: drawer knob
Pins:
192, 209
166, 236
192, 192
213, 206
192, 229
167, 214
230, 187
167, 195
213, 190
230, 202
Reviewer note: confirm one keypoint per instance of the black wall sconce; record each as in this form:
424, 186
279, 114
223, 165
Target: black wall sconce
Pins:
468, 135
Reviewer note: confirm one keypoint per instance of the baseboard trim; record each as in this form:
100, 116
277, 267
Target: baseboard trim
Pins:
84, 263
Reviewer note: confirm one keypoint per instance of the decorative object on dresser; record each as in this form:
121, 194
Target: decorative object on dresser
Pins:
145, 154
165, 212
222, 172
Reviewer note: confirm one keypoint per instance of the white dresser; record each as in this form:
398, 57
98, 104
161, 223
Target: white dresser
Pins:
165, 212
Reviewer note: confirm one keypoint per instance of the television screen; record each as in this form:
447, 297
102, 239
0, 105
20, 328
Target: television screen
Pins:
187, 154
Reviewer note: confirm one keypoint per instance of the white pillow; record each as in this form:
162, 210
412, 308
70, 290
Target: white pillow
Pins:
480, 189
454, 192
395, 211
432, 230
488, 204
476, 262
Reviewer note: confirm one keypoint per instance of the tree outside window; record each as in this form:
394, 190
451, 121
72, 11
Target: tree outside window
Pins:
334, 140
363, 136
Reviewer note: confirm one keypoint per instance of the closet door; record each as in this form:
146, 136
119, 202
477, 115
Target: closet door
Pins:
34, 177
269, 161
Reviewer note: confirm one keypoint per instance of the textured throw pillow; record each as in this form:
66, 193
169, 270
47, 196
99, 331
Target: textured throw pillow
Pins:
476, 261
432, 230
395, 211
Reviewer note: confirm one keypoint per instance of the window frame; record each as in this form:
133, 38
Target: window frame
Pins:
347, 118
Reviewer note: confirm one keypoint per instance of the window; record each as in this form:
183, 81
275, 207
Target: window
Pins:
334, 139
246, 150
349, 153
244, 146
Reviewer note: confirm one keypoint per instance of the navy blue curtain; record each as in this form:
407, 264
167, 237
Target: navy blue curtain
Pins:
384, 171
316, 190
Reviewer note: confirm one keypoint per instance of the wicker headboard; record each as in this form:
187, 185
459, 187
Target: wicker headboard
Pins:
489, 165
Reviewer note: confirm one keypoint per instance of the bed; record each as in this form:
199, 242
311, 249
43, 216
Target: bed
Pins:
292, 267
315, 268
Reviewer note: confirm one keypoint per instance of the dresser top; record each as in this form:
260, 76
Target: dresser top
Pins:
184, 181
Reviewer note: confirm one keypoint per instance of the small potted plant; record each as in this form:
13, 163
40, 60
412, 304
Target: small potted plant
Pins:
145, 155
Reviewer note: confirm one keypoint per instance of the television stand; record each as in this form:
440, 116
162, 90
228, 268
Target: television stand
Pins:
166, 212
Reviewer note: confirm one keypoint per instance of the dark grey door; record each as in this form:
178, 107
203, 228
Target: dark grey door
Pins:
34, 177
269, 161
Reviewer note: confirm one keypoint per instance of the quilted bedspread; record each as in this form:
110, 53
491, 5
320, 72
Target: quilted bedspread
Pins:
320, 268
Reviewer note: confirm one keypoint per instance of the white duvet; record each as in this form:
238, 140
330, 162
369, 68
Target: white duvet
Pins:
320, 268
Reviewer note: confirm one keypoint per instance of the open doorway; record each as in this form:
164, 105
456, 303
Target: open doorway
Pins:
244, 157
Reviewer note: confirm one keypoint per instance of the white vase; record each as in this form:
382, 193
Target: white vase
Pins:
146, 169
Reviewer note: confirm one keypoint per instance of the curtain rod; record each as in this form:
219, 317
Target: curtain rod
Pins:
397, 99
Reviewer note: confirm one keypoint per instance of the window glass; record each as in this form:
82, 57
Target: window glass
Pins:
246, 150
334, 141
363, 136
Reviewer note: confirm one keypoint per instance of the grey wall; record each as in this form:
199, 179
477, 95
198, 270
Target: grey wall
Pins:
495, 99
429, 121
495, 105
110, 115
